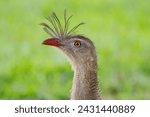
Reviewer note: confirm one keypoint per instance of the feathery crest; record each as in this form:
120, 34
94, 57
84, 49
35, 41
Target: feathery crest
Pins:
56, 30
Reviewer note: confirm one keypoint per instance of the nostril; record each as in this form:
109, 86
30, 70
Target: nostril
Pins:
56, 41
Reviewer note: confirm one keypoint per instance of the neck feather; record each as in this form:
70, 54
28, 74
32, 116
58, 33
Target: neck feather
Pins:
85, 82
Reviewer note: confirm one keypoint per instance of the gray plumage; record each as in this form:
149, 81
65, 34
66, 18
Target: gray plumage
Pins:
82, 55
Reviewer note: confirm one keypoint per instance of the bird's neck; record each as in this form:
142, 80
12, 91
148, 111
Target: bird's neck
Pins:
85, 82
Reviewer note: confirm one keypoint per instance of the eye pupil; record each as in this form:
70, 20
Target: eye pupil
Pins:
77, 44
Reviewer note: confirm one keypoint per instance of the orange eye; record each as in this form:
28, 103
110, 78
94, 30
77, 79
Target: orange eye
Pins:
77, 44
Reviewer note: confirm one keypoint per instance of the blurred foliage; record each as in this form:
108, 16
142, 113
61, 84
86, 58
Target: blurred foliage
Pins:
120, 30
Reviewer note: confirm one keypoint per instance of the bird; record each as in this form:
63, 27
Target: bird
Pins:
81, 53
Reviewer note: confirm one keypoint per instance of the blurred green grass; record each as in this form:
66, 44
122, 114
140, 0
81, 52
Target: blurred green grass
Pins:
120, 30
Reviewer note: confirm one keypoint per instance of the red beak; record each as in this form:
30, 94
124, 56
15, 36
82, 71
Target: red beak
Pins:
52, 42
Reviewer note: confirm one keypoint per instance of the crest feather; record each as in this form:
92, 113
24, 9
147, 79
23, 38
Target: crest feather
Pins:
56, 30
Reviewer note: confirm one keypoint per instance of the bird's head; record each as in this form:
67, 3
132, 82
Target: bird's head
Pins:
78, 48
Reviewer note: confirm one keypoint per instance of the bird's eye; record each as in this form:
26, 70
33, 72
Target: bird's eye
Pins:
77, 44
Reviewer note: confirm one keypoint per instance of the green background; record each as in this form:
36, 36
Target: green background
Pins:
120, 30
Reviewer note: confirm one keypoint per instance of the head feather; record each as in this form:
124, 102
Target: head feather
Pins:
56, 30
